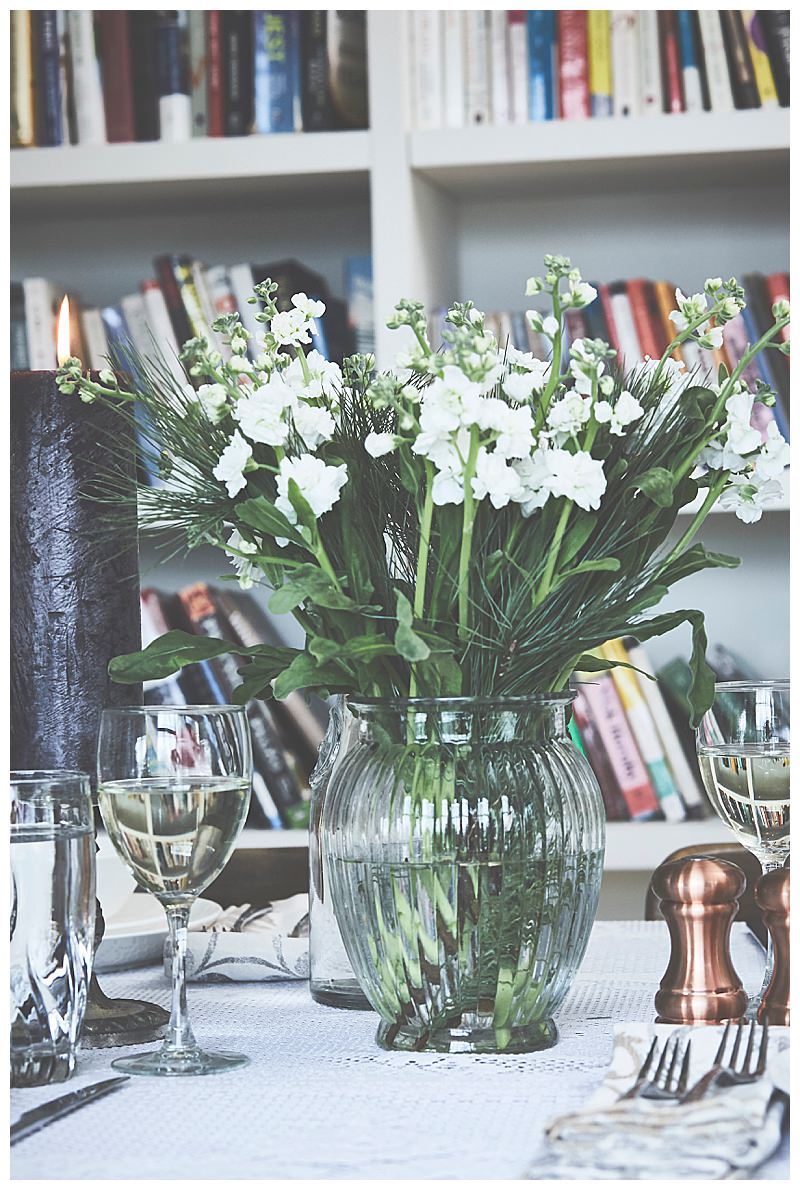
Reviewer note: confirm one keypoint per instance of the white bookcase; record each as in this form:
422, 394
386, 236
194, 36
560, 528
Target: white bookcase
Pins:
449, 214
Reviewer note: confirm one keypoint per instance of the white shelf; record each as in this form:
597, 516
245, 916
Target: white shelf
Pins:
690, 509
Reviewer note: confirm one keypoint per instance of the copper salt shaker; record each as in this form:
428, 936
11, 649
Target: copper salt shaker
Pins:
699, 899
772, 898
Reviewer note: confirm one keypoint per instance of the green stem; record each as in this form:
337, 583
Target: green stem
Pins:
301, 355
547, 577
422, 560
466, 537
555, 369
699, 517
325, 562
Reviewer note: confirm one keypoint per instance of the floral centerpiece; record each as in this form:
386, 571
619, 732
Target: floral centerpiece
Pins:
455, 535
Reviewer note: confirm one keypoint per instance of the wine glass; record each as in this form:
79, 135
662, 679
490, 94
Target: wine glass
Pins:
173, 789
743, 750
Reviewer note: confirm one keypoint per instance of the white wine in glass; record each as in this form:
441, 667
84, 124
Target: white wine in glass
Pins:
173, 789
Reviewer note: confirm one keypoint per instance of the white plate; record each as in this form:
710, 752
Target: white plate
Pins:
136, 932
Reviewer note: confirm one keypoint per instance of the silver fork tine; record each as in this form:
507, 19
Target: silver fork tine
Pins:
676, 1049
761, 1065
748, 1053
684, 1077
721, 1051
666, 1055
736, 1043
648, 1062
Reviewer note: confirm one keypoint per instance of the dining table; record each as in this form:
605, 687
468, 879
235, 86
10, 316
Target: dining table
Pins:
320, 1100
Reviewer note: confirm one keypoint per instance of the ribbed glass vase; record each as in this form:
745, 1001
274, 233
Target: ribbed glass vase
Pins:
463, 846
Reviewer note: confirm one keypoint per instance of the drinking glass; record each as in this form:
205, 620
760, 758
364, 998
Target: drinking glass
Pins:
743, 750
52, 921
173, 788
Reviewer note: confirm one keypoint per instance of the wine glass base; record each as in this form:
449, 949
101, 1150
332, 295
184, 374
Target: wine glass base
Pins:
190, 1062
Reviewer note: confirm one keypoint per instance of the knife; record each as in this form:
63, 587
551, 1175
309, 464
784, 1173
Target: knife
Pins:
31, 1121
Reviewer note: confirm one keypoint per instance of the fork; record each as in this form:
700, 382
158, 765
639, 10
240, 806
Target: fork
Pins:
671, 1076
728, 1074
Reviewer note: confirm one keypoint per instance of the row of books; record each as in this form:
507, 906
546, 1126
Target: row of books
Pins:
181, 300
633, 316
501, 67
285, 735
88, 78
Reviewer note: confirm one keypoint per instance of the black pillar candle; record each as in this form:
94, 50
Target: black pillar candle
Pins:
74, 579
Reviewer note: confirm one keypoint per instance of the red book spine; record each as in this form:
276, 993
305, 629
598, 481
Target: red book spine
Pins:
608, 312
216, 109
670, 61
614, 802
573, 65
648, 340
115, 50
629, 769
777, 286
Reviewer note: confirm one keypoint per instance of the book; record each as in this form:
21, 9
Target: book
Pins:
774, 24
314, 89
23, 118
541, 64
159, 691
601, 82
276, 48
766, 364
651, 99
615, 732
625, 62
671, 80
241, 280
236, 45
19, 333
39, 300
644, 731
346, 42
756, 44
94, 338
160, 327
611, 336
573, 64
115, 55
674, 680
740, 66
629, 348
68, 125
216, 105
428, 69
595, 752
715, 62
208, 310
517, 65
665, 299
647, 333
360, 309
777, 289
166, 269
453, 81
477, 67
737, 340
142, 29
500, 66
47, 77
690, 61
86, 83
174, 99
198, 71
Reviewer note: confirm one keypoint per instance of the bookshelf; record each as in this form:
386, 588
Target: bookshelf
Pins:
449, 214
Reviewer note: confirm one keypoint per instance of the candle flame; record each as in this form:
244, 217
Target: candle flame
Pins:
62, 338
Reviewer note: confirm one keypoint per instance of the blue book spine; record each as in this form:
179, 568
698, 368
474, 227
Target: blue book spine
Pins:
48, 82
686, 39
276, 45
541, 64
170, 64
764, 366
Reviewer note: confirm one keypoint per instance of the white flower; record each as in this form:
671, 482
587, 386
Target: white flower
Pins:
709, 337
243, 568
626, 410
232, 462
550, 326
378, 445
309, 307
774, 456
533, 286
318, 482
325, 378
689, 309
496, 478
240, 364
448, 488
719, 456
314, 425
213, 400
569, 414
742, 437
261, 413
748, 495
581, 294
515, 432
519, 386
526, 360
577, 476
535, 476
291, 327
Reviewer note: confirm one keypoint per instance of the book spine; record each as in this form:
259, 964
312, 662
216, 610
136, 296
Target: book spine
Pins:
517, 65
625, 62
665, 299
601, 81
684, 777
651, 97
273, 72
737, 341
772, 362
429, 67
167, 279
198, 71
453, 66
594, 317
720, 91
573, 65
237, 61
87, 87
766, 366
777, 287
612, 336
160, 327
133, 311
315, 88
360, 309
40, 321
241, 280
216, 103
671, 81
208, 310
477, 68
541, 65
142, 25
23, 123
649, 344
174, 100
596, 754
661, 335
607, 712
690, 62
629, 349
745, 91
775, 27
756, 44
94, 338
644, 732
115, 54
220, 289
47, 75
19, 333
184, 275
159, 691
500, 66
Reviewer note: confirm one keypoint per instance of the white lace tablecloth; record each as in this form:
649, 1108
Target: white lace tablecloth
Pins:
320, 1100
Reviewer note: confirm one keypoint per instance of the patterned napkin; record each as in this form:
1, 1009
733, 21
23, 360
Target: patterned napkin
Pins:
727, 1134
248, 944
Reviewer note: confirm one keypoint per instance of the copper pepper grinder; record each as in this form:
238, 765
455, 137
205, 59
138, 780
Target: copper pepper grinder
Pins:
772, 898
699, 900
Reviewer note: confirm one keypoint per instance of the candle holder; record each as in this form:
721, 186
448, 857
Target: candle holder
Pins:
75, 595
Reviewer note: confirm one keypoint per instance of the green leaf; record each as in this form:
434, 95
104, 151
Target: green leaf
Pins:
589, 565
311, 584
305, 514
260, 514
408, 644
657, 484
577, 536
701, 691
590, 663
305, 672
697, 557
169, 653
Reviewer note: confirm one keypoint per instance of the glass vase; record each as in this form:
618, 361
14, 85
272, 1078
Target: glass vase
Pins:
331, 976
463, 846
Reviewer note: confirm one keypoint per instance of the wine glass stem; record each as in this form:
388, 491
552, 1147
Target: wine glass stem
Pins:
179, 1036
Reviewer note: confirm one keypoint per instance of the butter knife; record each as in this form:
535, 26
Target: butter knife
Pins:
39, 1117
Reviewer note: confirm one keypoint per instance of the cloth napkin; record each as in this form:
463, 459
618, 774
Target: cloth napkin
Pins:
250, 944
727, 1134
